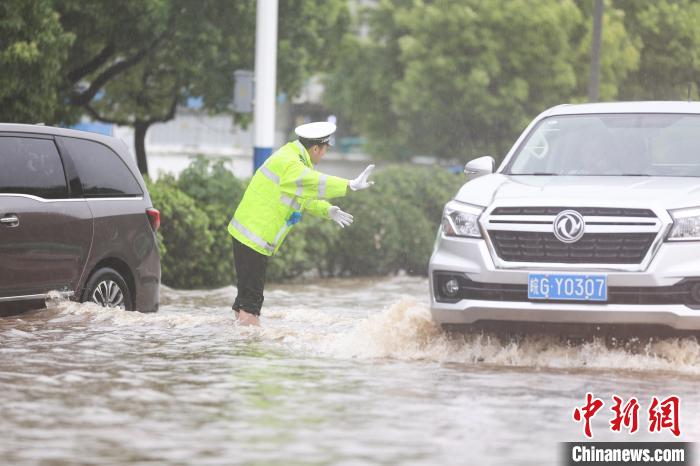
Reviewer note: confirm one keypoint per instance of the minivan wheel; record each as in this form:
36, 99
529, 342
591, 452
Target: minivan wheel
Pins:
108, 288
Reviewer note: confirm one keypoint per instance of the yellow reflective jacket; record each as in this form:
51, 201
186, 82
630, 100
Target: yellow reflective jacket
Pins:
281, 189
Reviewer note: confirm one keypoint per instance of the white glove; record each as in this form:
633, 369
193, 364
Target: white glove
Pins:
338, 216
361, 181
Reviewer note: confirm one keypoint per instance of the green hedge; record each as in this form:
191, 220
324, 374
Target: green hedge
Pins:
394, 229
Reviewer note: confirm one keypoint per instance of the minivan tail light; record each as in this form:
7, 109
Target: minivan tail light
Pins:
154, 218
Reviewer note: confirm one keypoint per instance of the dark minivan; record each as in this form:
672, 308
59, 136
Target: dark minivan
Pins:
75, 218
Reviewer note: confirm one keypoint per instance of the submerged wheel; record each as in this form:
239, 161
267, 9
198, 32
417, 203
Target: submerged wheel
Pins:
108, 288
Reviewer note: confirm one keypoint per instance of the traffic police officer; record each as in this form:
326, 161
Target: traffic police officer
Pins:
283, 188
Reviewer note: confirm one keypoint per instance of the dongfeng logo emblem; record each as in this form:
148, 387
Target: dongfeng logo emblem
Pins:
569, 226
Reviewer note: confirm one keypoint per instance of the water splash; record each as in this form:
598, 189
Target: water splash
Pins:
405, 331
402, 331
65, 310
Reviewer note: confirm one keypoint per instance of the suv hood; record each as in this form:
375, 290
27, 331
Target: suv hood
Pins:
633, 191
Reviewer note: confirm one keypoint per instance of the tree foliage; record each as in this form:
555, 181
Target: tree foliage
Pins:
668, 34
184, 237
462, 78
175, 49
216, 192
182, 49
134, 62
453, 79
33, 49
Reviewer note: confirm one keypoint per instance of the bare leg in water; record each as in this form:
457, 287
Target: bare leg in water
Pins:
247, 319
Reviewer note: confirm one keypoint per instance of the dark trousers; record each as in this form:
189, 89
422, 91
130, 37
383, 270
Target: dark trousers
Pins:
250, 272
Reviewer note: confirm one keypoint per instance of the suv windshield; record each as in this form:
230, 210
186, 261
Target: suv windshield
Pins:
630, 144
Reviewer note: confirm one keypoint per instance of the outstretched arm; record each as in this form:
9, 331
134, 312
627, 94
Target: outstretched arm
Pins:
301, 181
316, 207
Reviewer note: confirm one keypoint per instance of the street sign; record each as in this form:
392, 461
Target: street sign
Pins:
243, 91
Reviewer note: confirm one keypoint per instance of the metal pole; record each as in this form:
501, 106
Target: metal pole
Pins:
594, 83
265, 80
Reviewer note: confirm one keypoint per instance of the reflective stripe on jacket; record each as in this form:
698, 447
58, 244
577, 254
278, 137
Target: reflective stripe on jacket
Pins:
286, 183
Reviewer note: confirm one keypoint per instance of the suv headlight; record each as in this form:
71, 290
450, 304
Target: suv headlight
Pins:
459, 219
686, 225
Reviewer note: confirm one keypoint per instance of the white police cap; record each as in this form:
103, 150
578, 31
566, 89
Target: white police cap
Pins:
318, 132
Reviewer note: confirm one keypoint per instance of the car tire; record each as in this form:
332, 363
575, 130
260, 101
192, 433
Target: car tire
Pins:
108, 288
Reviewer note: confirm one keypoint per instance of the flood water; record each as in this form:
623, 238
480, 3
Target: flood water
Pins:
344, 372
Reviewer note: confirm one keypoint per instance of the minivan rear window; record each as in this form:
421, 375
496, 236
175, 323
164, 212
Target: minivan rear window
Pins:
31, 166
102, 172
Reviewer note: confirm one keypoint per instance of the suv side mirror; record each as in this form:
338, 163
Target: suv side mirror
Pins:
479, 167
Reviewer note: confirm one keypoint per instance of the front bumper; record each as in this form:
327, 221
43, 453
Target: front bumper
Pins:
678, 317
672, 265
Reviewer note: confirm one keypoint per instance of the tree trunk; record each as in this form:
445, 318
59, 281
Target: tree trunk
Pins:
140, 128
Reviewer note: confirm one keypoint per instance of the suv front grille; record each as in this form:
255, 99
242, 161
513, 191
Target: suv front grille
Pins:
594, 248
611, 235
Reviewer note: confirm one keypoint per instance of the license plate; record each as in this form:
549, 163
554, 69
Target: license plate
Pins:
572, 287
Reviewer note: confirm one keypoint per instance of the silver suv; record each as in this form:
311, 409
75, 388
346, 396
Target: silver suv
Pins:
592, 218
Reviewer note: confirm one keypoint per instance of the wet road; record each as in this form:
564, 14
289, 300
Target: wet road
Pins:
344, 372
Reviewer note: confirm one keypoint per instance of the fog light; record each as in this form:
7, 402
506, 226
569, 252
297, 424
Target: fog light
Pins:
451, 288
